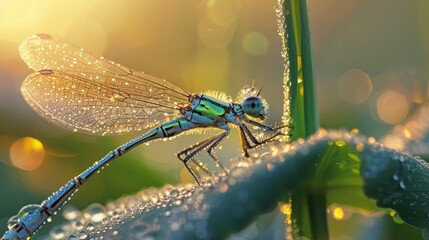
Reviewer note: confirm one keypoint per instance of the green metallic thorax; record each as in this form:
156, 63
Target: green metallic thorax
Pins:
210, 110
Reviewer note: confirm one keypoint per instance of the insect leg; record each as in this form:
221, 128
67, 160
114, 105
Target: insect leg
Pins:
245, 134
190, 152
182, 154
244, 142
214, 144
263, 126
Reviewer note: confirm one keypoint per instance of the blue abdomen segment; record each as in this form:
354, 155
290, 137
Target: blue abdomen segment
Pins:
30, 219
34, 219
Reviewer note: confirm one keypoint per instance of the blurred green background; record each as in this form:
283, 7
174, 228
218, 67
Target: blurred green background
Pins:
370, 59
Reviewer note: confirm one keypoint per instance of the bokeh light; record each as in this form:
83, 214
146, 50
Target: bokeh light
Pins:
210, 45
392, 107
355, 86
223, 12
214, 35
394, 142
255, 43
338, 213
27, 153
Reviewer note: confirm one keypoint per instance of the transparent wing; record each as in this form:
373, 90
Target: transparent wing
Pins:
82, 92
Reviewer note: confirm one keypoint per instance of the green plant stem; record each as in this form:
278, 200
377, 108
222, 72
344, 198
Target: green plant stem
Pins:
317, 194
310, 98
293, 55
309, 204
316, 198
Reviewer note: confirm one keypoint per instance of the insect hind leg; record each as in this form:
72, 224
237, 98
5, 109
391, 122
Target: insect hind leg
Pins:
189, 153
221, 137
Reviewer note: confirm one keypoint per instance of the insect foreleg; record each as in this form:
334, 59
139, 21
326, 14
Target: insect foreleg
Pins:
263, 126
245, 134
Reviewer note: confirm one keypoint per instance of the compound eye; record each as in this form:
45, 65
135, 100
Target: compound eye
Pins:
252, 106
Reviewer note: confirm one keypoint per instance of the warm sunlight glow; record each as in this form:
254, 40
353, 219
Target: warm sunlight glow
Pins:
338, 213
414, 130
27, 153
393, 142
286, 209
392, 107
255, 43
223, 12
355, 86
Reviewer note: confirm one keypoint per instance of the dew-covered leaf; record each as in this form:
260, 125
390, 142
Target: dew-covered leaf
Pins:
339, 171
398, 181
343, 162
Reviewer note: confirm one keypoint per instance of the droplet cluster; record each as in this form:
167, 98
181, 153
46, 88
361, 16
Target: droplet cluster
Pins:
79, 91
281, 26
395, 180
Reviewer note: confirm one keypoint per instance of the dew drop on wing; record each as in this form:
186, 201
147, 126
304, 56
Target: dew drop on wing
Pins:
44, 36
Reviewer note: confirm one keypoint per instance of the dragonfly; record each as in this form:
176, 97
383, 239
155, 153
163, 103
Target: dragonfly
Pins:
80, 91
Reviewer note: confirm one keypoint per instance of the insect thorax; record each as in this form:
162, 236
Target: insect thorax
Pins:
208, 111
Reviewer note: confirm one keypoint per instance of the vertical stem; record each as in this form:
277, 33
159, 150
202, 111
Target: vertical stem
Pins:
293, 53
316, 195
317, 213
309, 205
292, 60
310, 97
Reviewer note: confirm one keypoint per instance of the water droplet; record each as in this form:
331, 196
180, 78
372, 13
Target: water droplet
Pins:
24, 211
340, 143
95, 212
118, 214
90, 227
57, 232
175, 226
270, 167
77, 225
167, 213
73, 237
70, 213
223, 187
396, 218
402, 184
105, 221
12, 221
83, 235
174, 193
139, 229
396, 176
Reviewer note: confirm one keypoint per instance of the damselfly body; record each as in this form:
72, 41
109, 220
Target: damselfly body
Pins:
77, 90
